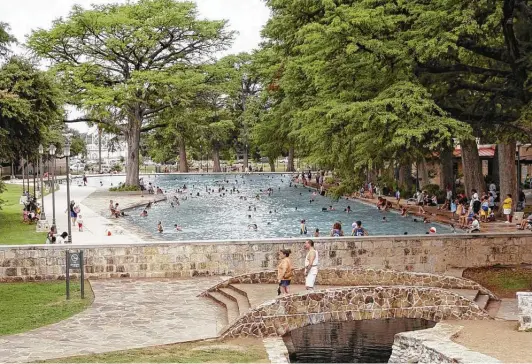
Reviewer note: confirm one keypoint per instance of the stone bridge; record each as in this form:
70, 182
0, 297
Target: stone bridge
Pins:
287, 313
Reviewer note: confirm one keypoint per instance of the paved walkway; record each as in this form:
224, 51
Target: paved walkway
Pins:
95, 225
125, 314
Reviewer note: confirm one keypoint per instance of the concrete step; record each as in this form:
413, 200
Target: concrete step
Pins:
482, 300
470, 294
230, 305
240, 298
493, 307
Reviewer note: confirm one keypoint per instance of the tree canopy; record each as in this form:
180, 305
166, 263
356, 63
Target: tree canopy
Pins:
126, 64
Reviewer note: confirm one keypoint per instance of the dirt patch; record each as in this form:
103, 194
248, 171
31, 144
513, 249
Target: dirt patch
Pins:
498, 339
504, 281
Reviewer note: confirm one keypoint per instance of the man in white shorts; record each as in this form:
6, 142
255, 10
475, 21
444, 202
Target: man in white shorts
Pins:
311, 265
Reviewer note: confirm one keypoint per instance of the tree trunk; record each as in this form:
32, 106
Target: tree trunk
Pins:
183, 164
472, 167
245, 158
133, 145
423, 173
290, 164
446, 168
271, 161
216, 160
405, 176
507, 172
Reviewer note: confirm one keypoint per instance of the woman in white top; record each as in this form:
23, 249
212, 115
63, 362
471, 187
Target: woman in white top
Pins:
311, 265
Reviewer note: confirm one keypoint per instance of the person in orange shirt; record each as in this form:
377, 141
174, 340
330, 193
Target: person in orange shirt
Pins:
284, 271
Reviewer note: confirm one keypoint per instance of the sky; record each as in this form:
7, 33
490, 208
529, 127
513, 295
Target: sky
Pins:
247, 17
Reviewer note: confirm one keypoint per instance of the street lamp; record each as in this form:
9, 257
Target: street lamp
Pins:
518, 145
201, 158
67, 155
52, 154
41, 152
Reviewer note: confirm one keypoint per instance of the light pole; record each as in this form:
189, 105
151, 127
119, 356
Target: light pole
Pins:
67, 155
52, 154
41, 152
518, 144
201, 158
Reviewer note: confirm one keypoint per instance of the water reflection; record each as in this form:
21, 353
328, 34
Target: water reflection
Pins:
368, 341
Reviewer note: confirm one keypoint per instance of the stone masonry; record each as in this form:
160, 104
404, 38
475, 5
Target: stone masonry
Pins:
280, 316
434, 346
524, 305
362, 277
433, 254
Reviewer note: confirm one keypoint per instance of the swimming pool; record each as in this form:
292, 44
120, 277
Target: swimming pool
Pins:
224, 206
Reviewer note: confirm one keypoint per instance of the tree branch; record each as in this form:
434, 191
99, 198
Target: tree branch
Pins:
153, 126
459, 68
497, 54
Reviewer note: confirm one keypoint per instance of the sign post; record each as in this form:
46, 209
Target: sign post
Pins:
74, 260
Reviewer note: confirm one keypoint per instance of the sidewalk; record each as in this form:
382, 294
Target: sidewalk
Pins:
95, 227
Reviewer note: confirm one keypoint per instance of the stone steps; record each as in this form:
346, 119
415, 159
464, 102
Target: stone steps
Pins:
231, 306
240, 298
482, 300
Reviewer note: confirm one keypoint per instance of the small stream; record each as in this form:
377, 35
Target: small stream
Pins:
367, 341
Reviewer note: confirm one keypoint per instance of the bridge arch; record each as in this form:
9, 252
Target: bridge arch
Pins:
287, 313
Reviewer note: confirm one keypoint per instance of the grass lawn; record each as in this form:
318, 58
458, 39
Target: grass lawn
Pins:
233, 351
26, 306
12, 230
502, 280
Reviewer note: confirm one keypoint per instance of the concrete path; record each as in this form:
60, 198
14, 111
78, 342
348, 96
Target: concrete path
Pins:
95, 226
125, 314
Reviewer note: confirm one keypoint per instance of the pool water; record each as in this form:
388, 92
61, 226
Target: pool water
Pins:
227, 214
368, 341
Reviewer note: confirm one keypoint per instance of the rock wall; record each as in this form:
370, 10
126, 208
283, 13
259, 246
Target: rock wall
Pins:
524, 306
432, 254
362, 277
282, 315
434, 346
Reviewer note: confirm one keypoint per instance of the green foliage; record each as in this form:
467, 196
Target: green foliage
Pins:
124, 188
5, 40
127, 64
30, 108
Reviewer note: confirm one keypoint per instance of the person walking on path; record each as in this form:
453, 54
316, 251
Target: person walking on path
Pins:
311, 265
284, 271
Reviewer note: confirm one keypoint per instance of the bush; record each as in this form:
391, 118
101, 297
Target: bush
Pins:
434, 189
124, 188
330, 180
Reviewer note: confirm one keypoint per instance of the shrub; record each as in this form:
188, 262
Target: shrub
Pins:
124, 188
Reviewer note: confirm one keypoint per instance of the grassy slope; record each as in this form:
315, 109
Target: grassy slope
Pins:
12, 229
26, 306
503, 281
236, 351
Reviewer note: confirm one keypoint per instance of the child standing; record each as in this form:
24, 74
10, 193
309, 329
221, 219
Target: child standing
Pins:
507, 208
80, 224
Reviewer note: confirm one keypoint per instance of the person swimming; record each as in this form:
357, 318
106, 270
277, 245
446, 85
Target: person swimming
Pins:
252, 226
160, 227
177, 228
144, 213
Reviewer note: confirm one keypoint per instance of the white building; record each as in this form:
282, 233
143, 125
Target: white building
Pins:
113, 146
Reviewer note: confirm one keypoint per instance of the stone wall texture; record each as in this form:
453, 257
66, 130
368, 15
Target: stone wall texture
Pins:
432, 254
361, 277
524, 306
434, 346
282, 315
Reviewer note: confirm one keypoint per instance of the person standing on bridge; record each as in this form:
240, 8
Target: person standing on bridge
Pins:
311, 265
284, 271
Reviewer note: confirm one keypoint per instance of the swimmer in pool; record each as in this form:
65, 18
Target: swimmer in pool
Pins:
160, 227
252, 226
144, 213
177, 228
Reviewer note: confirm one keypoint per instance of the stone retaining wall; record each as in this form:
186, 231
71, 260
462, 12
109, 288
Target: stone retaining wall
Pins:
278, 317
434, 346
362, 277
433, 254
